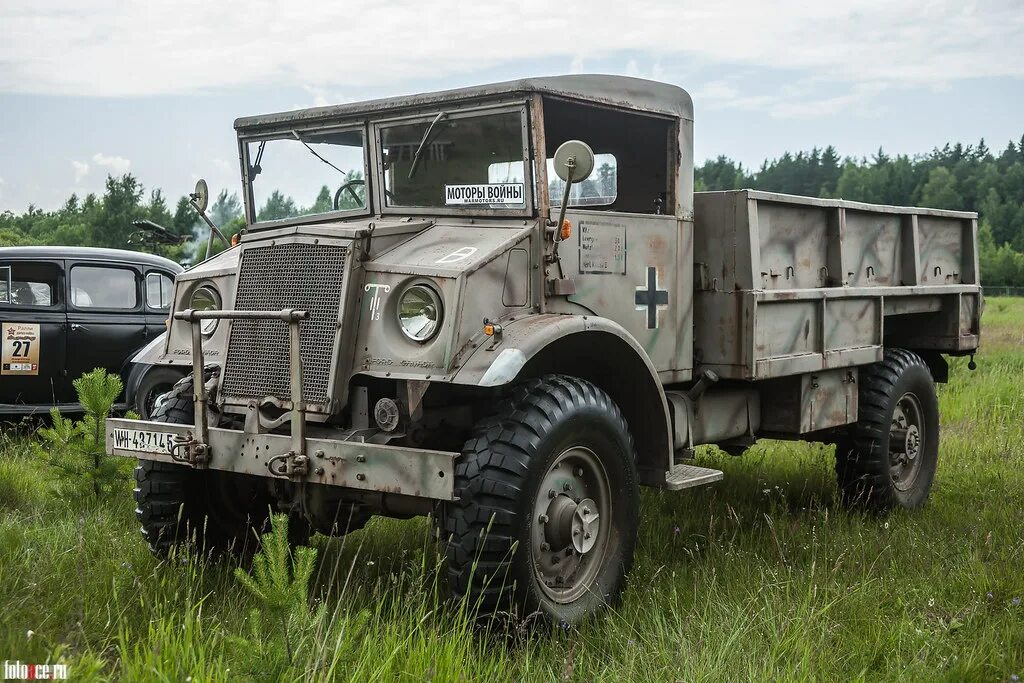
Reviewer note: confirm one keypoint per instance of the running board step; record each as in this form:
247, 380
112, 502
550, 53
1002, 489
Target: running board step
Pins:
687, 476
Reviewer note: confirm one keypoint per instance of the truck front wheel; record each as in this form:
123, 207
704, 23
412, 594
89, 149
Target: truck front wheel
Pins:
219, 511
548, 506
890, 457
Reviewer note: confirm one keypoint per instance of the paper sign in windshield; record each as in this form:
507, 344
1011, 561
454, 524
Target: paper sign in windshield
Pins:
492, 193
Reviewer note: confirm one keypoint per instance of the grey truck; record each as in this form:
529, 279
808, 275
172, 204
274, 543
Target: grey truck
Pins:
506, 307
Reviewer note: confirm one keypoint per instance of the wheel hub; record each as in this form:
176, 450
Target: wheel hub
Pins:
572, 523
906, 441
586, 526
568, 543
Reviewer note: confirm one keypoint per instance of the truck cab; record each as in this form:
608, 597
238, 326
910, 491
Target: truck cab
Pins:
505, 306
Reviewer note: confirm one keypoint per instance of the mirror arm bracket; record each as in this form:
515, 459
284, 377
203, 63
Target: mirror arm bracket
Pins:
570, 165
567, 154
556, 239
214, 230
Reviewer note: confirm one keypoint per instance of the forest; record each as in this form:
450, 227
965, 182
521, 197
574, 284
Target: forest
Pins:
960, 176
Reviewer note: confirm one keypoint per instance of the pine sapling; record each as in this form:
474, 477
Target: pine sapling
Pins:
76, 449
279, 581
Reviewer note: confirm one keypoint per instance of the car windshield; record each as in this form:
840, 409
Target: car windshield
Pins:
455, 161
305, 174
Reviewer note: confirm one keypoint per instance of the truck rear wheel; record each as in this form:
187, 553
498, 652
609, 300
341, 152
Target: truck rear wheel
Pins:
548, 506
220, 511
890, 458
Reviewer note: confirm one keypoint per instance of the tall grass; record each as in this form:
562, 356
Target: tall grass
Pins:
761, 576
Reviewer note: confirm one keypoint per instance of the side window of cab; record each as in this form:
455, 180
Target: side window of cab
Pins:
599, 190
633, 173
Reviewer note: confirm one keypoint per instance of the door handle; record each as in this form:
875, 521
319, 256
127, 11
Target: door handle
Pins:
75, 326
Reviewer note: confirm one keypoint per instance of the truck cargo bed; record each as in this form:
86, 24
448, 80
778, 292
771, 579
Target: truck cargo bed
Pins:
787, 285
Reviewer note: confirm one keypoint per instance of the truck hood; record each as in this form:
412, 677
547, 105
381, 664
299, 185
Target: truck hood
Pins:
429, 246
448, 249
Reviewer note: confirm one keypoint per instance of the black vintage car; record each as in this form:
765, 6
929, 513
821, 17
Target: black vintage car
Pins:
67, 310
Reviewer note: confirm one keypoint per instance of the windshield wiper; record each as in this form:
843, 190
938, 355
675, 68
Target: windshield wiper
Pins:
314, 153
423, 142
256, 169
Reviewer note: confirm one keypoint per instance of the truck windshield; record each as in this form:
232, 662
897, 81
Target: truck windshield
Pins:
455, 161
304, 174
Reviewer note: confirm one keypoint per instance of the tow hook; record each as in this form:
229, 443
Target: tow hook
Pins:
291, 465
186, 449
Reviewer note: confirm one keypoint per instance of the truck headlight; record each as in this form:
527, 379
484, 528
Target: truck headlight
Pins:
206, 298
420, 312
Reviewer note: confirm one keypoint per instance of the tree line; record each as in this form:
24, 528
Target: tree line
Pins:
956, 176
107, 220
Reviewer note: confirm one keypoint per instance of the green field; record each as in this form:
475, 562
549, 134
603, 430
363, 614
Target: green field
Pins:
762, 576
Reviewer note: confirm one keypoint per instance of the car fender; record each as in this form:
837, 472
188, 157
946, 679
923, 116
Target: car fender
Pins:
151, 352
136, 367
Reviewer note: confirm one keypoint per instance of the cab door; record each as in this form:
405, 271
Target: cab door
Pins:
32, 316
106, 316
626, 268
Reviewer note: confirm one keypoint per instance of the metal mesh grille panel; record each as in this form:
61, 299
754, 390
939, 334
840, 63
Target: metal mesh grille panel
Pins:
301, 276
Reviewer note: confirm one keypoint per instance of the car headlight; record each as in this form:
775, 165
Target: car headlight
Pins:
206, 298
420, 312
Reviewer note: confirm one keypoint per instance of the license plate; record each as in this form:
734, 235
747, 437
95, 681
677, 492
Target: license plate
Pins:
142, 440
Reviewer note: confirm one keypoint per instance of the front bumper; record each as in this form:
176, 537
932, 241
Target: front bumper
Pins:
295, 457
348, 464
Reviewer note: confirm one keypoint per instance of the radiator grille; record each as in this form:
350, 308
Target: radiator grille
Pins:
301, 276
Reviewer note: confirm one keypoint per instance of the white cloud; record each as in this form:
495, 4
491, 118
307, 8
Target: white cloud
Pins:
117, 165
159, 47
323, 97
320, 96
856, 99
799, 100
114, 165
717, 92
81, 170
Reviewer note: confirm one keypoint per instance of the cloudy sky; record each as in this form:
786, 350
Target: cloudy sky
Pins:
96, 87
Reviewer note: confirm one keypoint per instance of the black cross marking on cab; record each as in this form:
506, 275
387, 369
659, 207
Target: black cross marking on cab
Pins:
651, 298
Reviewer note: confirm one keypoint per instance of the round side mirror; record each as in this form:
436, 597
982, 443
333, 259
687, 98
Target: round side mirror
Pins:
202, 195
580, 154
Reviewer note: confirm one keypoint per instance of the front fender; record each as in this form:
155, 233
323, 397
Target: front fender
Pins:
497, 363
592, 348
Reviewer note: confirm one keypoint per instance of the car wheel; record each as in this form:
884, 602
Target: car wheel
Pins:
155, 384
548, 504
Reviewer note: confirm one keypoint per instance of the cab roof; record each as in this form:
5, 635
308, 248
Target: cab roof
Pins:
89, 254
620, 91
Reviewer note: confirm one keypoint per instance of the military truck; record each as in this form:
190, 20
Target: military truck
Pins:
506, 307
